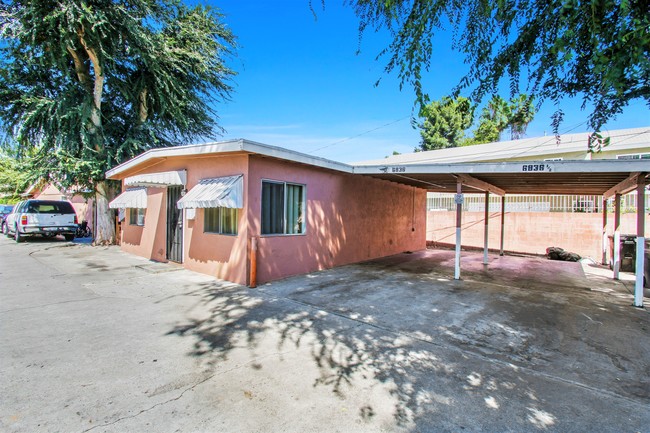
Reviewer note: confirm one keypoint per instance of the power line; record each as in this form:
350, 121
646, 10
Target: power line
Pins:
358, 135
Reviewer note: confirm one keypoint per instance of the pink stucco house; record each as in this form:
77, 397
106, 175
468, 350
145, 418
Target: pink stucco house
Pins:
208, 206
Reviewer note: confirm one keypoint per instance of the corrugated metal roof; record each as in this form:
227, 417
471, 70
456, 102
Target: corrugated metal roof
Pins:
164, 178
216, 192
134, 198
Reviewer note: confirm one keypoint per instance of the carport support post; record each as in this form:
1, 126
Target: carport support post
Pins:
604, 260
459, 212
616, 257
503, 221
485, 235
640, 241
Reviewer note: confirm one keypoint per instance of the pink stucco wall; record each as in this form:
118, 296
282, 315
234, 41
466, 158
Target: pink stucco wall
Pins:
529, 232
222, 256
149, 240
349, 219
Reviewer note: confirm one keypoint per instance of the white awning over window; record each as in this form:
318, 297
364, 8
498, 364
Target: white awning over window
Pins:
134, 198
164, 178
217, 192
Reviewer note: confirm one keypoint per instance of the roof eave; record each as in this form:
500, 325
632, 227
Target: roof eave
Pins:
239, 145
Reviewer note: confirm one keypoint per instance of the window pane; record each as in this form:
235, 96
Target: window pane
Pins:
136, 217
229, 221
211, 220
295, 211
272, 208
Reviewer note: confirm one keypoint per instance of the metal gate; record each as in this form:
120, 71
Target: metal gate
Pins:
174, 225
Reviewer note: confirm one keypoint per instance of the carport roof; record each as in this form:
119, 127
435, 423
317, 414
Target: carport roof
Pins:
595, 177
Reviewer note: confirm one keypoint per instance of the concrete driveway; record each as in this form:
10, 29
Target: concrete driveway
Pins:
97, 340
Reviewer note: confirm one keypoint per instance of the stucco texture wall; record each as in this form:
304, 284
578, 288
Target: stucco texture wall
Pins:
529, 232
149, 240
348, 219
222, 256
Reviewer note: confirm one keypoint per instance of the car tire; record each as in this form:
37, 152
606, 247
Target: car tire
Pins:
17, 237
5, 229
69, 238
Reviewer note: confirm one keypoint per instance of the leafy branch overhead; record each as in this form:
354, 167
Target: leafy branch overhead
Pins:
598, 50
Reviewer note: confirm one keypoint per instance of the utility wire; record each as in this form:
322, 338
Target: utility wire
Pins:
358, 135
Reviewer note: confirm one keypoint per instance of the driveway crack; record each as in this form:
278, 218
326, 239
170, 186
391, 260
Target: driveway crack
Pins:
50, 304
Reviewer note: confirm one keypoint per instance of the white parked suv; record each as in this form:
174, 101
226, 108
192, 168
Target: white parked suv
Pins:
41, 217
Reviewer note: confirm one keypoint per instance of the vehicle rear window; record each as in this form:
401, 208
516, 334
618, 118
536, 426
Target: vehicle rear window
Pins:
42, 206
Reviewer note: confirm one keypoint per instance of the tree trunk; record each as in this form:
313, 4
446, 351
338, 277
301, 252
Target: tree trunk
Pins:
105, 219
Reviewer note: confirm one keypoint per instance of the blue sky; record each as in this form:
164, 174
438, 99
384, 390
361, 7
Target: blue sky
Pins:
303, 85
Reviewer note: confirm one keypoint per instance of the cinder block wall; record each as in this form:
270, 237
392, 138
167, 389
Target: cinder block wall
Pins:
529, 232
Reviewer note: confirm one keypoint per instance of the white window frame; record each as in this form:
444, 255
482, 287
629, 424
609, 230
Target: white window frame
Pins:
284, 210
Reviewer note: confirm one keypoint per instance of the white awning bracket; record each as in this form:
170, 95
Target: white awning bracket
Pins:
134, 198
161, 179
216, 192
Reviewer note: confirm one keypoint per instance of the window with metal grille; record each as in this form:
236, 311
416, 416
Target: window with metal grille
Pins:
283, 208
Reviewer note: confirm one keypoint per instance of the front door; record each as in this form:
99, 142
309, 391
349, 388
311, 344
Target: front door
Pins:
174, 225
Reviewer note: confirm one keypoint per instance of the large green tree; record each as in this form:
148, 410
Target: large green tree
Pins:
499, 115
91, 83
598, 50
445, 122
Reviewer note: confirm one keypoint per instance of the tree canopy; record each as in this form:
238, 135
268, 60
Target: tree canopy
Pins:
91, 83
446, 122
598, 50
104, 80
499, 114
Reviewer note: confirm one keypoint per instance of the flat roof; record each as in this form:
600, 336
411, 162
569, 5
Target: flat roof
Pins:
621, 140
593, 177
587, 177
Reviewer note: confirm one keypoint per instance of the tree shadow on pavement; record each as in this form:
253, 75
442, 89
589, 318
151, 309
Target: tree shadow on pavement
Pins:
427, 383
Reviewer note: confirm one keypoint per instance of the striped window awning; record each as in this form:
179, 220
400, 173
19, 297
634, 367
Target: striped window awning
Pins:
134, 198
164, 178
216, 192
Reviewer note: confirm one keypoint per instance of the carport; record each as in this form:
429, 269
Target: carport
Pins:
609, 178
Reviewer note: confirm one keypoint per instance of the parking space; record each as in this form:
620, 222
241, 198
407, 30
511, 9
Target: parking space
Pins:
98, 340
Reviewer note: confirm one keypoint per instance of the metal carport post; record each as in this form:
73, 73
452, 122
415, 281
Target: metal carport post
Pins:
472, 182
640, 242
635, 181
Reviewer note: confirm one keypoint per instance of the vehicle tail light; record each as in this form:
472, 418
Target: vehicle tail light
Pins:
23, 220
76, 221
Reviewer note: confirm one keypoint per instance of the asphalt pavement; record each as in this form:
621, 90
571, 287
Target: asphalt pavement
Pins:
94, 339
